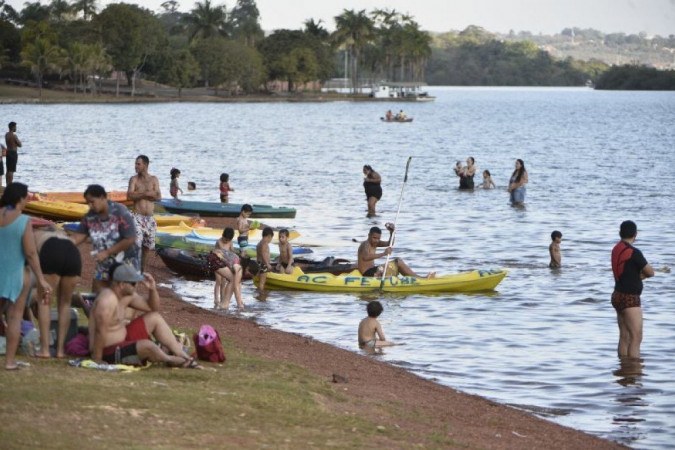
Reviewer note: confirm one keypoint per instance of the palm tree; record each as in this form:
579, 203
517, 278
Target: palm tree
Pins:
207, 21
354, 30
315, 29
41, 55
60, 9
88, 8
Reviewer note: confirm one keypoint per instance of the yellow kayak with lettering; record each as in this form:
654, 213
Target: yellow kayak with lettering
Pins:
473, 281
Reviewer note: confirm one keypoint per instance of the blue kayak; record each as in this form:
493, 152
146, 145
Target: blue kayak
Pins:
217, 209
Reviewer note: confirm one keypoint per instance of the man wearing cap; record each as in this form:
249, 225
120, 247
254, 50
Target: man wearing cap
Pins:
112, 231
115, 340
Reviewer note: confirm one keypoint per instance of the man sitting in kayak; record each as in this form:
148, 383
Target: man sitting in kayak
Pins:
368, 254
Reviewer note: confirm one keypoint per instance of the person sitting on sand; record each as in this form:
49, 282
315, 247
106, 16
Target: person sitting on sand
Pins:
367, 255
371, 335
115, 341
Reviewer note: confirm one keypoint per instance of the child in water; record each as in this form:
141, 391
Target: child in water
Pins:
174, 188
554, 250
487, 181
371, 335
225, 188
285, 264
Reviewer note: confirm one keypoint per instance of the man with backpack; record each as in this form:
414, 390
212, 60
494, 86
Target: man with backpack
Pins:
116, 340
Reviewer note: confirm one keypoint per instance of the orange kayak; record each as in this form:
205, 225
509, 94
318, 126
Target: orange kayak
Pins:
77, 197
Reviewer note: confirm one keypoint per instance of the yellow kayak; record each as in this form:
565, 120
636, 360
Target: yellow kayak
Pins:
78, 197
59, 210
183, 229
476, 280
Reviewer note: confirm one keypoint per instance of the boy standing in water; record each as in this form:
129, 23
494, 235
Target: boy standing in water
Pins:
554, 250
243, 226
262, 256
285, 264
371, 335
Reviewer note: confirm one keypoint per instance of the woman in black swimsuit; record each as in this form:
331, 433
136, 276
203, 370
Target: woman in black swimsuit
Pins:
466, 174
371, 184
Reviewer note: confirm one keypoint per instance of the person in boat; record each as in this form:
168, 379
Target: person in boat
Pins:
517, 183
389, 116
368, 253
401, 116
466, 173
373, 188
370, 334
262, 256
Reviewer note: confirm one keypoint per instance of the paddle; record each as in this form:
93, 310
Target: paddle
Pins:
393, 233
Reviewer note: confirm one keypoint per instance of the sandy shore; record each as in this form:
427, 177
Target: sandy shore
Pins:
468, 420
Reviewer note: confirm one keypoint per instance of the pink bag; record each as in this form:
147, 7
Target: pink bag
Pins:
207, 344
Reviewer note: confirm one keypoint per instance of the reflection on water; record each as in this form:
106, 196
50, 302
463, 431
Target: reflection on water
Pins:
544, 340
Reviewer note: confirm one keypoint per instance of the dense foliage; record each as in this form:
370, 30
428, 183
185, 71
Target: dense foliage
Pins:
631, 77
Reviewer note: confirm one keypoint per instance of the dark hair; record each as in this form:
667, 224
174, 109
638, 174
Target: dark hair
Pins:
268, 231
12, 125
473, 161
95, 190
13, 194
556, 234
192, 185
224, 177
246, 208
284, 231
374, 308
519, 172
144, 158
228, 233
174, 173
628, 229
368, 168
375, 230
487, 172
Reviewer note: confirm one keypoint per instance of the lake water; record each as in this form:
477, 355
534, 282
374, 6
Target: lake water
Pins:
545, 341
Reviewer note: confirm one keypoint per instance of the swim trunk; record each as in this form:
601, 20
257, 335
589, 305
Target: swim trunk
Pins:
392, 271
146, 228
12, 159
371, 272
242, 241
60, 257
125, 352
224, 198
368, 344
373, 190
228, 259
262, 267
621, 301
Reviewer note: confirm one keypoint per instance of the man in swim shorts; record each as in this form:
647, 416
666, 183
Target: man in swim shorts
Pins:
144, 192
367, 255
115, 340
629, 267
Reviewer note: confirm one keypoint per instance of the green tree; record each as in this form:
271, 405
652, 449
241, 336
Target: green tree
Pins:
180, 70
209, 54
8, 13
206, 21
130, 35
10, 42
60, 10
33, 12
245, 22
40, 52
354, 30
86, 7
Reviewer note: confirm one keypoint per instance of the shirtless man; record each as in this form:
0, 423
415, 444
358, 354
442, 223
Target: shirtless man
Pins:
368, 254
144, 191
13, 143
262, 256
115, 340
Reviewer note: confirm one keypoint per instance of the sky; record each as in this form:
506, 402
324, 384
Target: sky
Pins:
536, 16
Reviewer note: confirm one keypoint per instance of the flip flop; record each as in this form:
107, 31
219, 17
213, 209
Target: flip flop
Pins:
18, 365
191, 363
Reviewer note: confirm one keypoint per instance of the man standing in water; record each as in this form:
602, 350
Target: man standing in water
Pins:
629, 267
13, 143
144, 191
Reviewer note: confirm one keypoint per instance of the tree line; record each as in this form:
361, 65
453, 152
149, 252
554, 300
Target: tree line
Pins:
634, 77
210, 46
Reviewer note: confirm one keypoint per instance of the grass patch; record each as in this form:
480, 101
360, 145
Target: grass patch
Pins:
246, 402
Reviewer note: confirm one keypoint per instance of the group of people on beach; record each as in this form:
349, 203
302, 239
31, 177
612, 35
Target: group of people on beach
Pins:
122, 323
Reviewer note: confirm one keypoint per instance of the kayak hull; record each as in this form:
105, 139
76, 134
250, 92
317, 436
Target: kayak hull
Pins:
474, 281
214, 209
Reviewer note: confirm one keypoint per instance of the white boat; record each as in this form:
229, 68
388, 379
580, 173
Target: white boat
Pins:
410, 90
